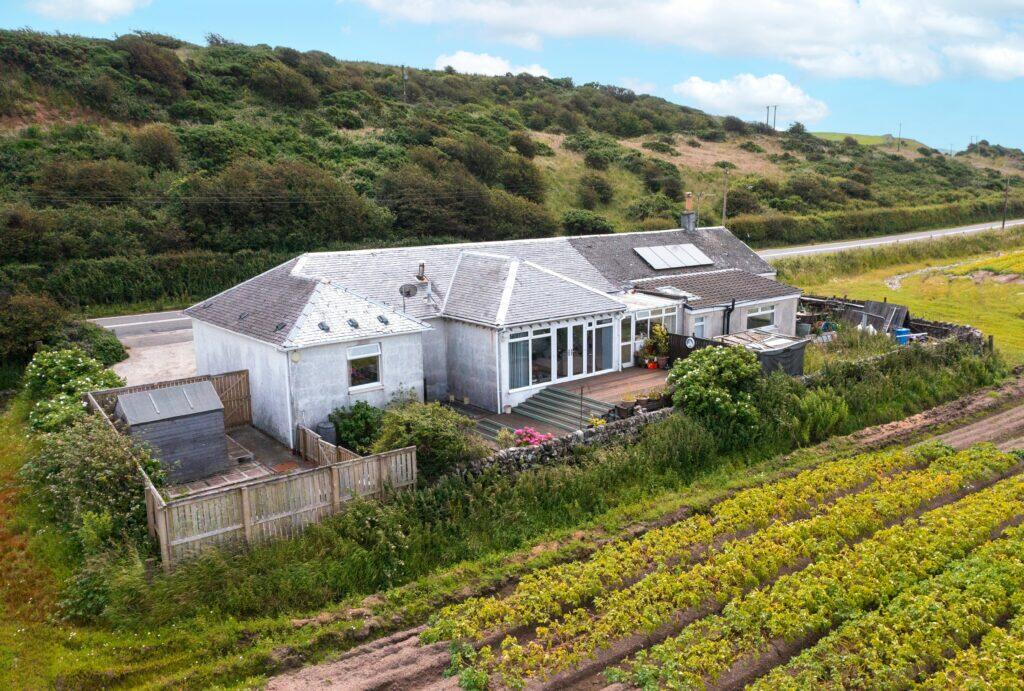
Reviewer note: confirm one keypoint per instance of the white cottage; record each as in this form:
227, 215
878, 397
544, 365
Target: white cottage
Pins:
490, 324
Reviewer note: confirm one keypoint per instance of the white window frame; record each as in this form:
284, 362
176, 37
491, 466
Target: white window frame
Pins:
699, 324
758, 311
359, 353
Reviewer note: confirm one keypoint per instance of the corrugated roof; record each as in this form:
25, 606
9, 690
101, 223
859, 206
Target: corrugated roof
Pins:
168, 403
714, 288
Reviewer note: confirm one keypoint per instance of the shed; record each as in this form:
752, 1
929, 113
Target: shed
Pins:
183, 425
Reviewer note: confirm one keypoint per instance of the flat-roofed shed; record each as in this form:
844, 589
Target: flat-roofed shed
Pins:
183, 426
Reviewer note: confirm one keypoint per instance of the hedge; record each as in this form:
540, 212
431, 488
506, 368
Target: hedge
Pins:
781, 229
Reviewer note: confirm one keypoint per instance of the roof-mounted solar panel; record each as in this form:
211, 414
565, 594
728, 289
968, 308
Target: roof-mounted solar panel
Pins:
673, 256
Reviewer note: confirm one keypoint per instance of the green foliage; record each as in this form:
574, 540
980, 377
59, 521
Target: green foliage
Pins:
283, 85
357, 427
52, 372
157, 147
822, 413
28, 320
594, 189
582, 222
444, 439
716, 386
89, 470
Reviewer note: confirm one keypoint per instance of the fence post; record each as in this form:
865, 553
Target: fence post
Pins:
335, 488
246, 515
150, 514
163, 526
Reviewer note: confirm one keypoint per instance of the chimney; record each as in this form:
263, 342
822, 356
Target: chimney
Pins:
421, 272
688, 219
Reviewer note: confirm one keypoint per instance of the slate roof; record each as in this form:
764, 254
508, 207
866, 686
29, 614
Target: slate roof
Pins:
717, 288
285, 309
614, 255
556, 278
500, 290
168, 403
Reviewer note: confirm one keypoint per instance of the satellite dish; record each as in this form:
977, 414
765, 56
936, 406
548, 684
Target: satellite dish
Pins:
690, 342
408, 290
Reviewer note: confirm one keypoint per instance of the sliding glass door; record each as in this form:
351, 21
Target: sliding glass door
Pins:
542, 355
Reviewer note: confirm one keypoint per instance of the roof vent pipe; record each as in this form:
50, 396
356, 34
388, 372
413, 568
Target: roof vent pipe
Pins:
421, 272
688, 219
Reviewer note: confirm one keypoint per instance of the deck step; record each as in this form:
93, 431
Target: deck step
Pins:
488, 429
561, 409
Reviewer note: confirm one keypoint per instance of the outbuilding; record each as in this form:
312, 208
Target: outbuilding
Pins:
183, 426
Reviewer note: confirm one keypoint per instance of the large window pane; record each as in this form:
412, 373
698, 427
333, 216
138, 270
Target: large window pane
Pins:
603, 349
541, 360
764, 316
562, 350
578, 364
518, 364
364, 371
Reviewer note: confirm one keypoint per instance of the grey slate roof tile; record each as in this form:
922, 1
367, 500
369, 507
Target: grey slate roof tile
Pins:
714, 288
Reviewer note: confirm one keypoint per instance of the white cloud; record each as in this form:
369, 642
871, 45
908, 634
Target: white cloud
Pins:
94, 10
992, 61
482, 63
746, 96
638, 86
906, 41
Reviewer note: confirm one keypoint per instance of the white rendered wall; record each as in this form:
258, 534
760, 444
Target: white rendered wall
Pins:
472, 366
435, 360
219, 351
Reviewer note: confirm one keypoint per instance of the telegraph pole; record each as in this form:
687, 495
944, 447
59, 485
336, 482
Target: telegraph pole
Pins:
767, 114
725, 195
899, 138
405, 84
775, 117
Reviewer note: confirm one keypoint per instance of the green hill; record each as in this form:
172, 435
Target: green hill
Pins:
146, 168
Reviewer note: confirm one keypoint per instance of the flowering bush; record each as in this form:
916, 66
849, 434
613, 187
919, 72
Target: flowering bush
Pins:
717, 385
528, 436
56, 380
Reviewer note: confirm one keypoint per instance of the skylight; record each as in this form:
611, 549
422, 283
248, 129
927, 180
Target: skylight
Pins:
673, 256
672, 291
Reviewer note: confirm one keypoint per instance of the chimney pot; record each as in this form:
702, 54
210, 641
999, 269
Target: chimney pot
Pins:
689, 201
421, 272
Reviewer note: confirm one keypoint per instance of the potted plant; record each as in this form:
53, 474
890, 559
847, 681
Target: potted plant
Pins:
659, 345
625, 407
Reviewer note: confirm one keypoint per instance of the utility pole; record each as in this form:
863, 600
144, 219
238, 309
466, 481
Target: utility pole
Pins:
405, 84
899, 138
767, 114
775, 117
1006, 199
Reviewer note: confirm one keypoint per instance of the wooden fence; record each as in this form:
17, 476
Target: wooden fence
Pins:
318, 451
231, 387
269, 508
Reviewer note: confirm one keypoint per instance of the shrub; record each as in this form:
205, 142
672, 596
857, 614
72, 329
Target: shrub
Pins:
679, 441
822, 413
28, 320
283, 85
528, 436
157, 147
715, 386
523, 143
357, 426
90, 468
582, 222
97, 342
105, 181
444, 439
505, 438
594, 189
52, 372
731, 123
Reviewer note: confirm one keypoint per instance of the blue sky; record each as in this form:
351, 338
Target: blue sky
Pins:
948, 70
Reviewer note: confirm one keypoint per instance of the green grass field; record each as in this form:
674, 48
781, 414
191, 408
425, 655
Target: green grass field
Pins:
1004, 264
886, 140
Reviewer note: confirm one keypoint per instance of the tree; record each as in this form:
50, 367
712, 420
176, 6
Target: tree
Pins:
731, 123
28, 320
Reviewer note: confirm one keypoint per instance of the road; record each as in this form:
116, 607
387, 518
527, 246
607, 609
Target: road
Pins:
826, 247
162, 328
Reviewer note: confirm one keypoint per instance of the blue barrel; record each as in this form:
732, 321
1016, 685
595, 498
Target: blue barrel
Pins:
902, 336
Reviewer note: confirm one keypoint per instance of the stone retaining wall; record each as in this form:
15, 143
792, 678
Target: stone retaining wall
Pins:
558, 451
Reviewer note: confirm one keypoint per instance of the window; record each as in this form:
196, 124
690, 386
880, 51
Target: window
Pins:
698, 326
519, 360
540, 356
759, 317
364, 366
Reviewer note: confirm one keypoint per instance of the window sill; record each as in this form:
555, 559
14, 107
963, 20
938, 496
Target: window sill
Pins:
365, 388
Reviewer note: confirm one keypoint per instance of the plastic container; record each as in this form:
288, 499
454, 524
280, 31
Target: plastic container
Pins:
902, 336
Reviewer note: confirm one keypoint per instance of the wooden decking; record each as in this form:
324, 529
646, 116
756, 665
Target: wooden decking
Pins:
615, 386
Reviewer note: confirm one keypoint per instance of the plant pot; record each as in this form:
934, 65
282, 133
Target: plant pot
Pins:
654, 404
652, 364
625, 409
641, 403
663, 362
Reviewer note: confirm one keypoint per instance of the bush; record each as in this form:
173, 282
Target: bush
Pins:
594, 189
715, 386
444, 439
582, 222
357, 427
822, 413
157, 147
90, 468
731, 123
97, 342
523, 143
52, 372
680, 441
28, 320
283, 85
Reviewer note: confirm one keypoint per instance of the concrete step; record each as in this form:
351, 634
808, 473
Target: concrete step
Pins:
561, 409
488, 429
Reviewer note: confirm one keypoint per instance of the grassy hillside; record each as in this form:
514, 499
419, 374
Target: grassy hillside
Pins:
146, 168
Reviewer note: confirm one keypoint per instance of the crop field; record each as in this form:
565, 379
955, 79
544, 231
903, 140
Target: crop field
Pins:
902, 565
1008, 264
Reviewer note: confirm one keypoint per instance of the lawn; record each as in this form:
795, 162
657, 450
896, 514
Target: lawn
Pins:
941, 294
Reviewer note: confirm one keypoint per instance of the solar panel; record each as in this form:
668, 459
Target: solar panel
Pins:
673, 256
